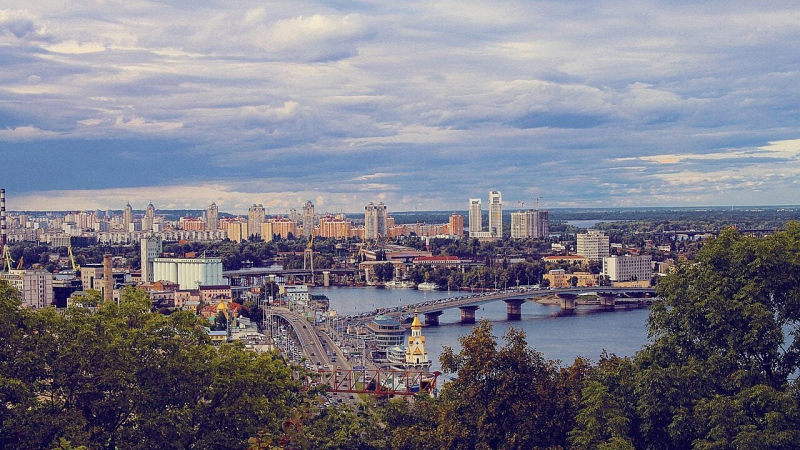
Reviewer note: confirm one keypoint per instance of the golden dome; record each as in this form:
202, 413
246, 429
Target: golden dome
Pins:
416, 323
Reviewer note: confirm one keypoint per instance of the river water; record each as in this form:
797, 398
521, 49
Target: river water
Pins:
587, 332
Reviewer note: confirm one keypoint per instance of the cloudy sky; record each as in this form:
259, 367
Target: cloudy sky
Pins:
420, 104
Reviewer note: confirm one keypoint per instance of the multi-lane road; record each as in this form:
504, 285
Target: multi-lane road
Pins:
319, 349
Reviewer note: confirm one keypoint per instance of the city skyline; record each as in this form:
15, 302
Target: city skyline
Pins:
417, 105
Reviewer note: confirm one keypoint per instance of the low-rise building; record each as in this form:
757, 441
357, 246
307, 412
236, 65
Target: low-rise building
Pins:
213, 294
570, 259
438, 261
296, 294
387, 332
559, 278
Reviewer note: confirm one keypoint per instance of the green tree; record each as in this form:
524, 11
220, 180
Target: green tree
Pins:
124, 377
506, 397
724, 344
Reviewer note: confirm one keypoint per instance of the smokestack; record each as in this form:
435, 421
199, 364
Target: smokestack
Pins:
2, 221
108, 279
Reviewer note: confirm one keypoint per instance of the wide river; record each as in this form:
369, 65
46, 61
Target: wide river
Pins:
587, 332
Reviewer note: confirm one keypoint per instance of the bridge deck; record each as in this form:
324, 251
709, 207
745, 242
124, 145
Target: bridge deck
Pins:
480, 299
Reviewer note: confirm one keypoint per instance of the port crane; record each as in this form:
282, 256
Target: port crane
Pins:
75, 267
8, 263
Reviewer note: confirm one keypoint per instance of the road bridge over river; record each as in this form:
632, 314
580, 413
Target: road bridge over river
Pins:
468, 304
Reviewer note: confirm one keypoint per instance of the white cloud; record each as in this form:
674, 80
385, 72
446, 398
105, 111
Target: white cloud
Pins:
26, 133
77, 48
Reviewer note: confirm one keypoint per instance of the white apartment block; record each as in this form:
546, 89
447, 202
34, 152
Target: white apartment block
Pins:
35, 285
627, 268
475, 216
496, 213
150, 249
593, 244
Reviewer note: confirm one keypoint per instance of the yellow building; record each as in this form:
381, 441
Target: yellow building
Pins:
283, 227
267, 231
558, 278
333, 227
236, 229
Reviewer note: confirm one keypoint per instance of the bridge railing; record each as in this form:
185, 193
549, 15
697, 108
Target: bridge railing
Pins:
375, 381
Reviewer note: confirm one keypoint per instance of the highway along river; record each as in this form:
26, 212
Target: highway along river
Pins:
587, 332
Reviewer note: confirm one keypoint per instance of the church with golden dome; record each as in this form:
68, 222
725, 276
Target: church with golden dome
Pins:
413, 356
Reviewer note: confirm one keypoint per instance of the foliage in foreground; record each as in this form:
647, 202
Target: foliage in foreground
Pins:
123, 377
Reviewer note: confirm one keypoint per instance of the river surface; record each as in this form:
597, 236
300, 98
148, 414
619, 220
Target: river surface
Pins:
587, 332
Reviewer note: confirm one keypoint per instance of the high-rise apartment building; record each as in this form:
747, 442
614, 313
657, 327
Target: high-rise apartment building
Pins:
593, 244
151, 247
308, 218
383, 221
293, 216
475, 216
255, 217
530, 224
127, 217
149, 218
496, 213
334, 227
541, 224
520, 224
237, 230
456, 225
267, 233
375, 221
212, 217
284, 227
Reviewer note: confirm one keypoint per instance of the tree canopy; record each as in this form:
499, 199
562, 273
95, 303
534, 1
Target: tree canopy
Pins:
718, 372
123, 377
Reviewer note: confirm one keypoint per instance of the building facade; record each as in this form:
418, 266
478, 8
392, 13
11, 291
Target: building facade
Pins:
628, 268
150, 247
308, 219
334, 227
127, 217
496, 213
593, 244
456, 225
375, 221
35, 286
255, 217
212, 217
530, 224
189, 273
236, 229
475, 216
149, 218
284, 227
267, 232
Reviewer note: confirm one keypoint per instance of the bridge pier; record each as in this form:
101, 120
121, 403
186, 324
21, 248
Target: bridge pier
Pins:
432, 318
468, 313
567, 301
326, 278
514, 308
607, 300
